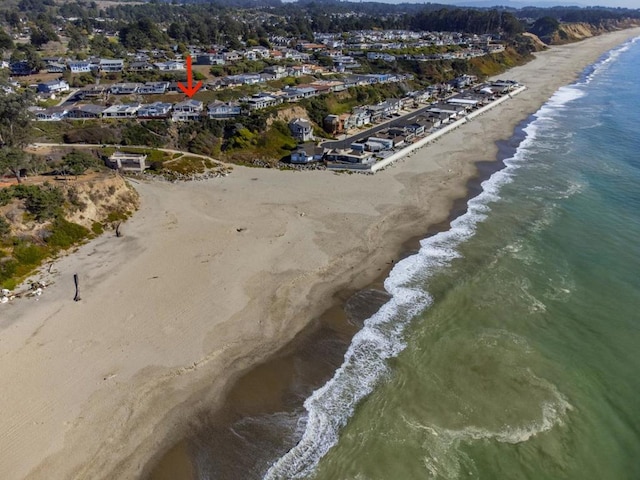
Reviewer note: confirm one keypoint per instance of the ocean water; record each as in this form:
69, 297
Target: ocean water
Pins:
510, 348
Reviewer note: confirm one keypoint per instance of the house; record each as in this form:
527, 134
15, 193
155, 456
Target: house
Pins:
380, 56
111, 65
301, 129
154, 110
307, 153
22, 68
53, 86
344, 156
384, 140
153, 88
464, 81
52, 114
127, 110
56, 67
277, 70
125, 88
79, 67
335, 124
128, 162
140, 66
231, 56
81, 112
187, 110
210, 59
93, 91
170, 66
242, 79
416, 128
294, 94
449, 109
222, 111
360, 117
261, 100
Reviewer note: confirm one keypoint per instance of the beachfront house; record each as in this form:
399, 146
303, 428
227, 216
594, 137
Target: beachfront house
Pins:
348, 158
307, 153
187, 110
301, 129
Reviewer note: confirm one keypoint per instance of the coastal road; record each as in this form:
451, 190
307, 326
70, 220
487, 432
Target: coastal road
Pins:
360, 136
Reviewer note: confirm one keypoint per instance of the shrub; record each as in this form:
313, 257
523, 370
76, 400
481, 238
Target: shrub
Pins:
5, 227
64, 233
28, 254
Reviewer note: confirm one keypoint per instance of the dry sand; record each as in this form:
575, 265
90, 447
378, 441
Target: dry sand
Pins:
210, 278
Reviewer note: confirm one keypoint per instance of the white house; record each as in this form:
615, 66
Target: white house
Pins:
307, 153
153, 88
260, 101
111, 64
221, 110
301, 129
187, 110
52, 114
53, 86
170, 66
79, 67
121, 111
124, 88
154, 110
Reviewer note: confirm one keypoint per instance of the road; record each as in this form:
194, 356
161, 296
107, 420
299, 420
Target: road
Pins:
35, 146
401, 120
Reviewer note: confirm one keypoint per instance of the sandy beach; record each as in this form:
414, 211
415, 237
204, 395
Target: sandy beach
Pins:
211, 278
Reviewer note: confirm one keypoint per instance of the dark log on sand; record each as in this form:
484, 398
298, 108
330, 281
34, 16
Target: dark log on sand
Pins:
75, 280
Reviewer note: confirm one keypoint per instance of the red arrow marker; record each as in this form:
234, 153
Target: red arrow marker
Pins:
191, 89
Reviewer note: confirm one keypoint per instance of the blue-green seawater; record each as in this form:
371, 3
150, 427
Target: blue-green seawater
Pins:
511, 348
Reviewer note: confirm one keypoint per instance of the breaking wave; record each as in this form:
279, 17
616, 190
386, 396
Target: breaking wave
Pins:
365, 363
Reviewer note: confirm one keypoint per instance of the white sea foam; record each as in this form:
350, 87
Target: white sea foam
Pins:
381, 338
607, 59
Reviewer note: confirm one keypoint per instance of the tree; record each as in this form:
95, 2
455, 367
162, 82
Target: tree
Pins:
78, 162
43, 34
6, 43
15, 125
12, 160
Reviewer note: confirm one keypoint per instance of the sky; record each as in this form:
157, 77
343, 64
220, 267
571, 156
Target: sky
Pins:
545, 3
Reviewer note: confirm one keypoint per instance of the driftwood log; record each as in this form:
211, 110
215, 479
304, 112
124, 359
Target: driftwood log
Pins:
76, 298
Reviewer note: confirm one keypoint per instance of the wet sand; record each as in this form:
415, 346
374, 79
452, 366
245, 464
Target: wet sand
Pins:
210, 279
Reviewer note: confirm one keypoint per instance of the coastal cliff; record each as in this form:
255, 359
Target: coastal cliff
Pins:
41, 217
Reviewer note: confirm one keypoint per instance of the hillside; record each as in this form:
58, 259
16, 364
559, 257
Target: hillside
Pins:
42, 216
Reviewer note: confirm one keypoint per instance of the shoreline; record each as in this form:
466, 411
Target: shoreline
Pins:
335, 327
193, 302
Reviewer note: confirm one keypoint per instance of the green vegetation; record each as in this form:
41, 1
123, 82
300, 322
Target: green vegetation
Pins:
19, 256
